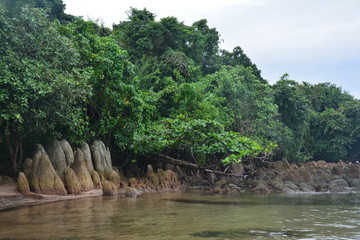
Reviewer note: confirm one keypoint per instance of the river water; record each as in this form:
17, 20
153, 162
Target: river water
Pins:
189, 215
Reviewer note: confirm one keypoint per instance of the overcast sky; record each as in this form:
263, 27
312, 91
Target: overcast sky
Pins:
311, 40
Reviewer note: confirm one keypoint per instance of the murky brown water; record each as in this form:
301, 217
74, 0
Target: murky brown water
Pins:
189, 215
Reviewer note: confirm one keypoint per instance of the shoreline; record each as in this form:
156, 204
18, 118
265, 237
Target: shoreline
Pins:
11, 199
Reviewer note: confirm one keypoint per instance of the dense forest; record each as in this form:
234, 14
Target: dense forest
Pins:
156, 87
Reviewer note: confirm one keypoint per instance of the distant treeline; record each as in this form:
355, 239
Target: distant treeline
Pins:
151, 87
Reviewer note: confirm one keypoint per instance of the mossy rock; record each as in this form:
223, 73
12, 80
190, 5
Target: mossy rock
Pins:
109, 188
23, 184
82, 172
115, 178
6, 179
131, 192
72, 182
96, 179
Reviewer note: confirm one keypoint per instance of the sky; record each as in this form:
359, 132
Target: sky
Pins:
311, 40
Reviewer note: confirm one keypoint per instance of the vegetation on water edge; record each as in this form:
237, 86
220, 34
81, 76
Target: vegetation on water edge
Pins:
148, 87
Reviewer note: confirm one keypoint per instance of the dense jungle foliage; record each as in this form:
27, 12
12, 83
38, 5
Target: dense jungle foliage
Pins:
151, 87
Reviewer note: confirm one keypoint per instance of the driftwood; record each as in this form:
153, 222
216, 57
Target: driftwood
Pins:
192, 165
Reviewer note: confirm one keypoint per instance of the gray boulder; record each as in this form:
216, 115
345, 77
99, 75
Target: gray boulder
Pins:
87, 156
102, 159
338, 185
69, 154
57, 158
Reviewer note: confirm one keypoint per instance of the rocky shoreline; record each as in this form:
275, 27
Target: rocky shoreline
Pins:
64, 174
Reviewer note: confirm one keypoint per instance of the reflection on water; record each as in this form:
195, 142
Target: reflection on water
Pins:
189, 215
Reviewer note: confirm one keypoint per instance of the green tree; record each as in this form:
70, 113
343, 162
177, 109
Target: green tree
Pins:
248, 106
196, 140
42, 90
294, 113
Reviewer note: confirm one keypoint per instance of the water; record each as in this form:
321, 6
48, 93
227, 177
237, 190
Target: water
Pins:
189, 215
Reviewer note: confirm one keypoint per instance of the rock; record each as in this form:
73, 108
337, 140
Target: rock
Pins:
72, 182
57, 158
108, 188
115, 178
87, 156
6, 179
82, 172
277, 185
338, 185
261, 186
96, 179
69, 154
43, 177
133, 182
304, 187
290, 187
237, 169
217, 190
26, 167
231, 188
101, 158
354, 183
131, 192
23, 184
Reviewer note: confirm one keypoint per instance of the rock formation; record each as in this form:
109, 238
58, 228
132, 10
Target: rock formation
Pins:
72, 182
101, 158
43, 177
68, 151
82, 172
23, 184
57, 158
87, 156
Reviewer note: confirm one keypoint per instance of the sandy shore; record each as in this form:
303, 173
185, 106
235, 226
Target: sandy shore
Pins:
10, 197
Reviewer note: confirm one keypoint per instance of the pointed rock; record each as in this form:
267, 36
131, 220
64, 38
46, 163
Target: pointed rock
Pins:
57, 158
82, 172
43, 177
23, 184
87, 156
69, 154
72, 182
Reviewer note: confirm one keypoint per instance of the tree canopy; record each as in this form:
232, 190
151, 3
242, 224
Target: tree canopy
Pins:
148, 87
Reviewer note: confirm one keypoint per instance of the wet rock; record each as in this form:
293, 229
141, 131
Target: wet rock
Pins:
43, 177
131, 192
72, 182
101, 158
96, 179
277, 185
23, 184
69, 154
82, 172
261, 187
290, 187
231, 188
354, 183
108, 188
57, 158
217, 190
338, 185
87, 156
304, 187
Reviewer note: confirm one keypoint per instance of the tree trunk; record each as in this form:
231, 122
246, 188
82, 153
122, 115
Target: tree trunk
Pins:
15, 147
